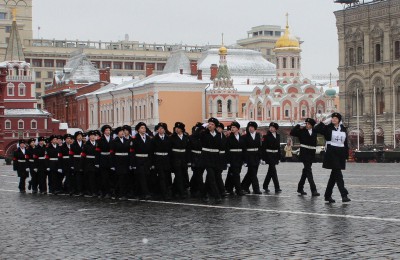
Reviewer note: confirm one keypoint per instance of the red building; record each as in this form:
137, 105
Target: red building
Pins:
19, 115
78, 77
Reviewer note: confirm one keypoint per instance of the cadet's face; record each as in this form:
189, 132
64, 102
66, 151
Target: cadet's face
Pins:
220, 130
54, 141
272, 129
234, 129
79, 138
142, 129
335, 120
211, 126
309, 126
22, 146
178, 131
59, 141
68, 140
92, 138
121, 134
107, 132
32, 144
126, 132
252, 129
161, 131
41, 143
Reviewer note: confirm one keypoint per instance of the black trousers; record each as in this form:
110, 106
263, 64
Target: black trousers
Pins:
162, 181
196, 182
233, 179
54, 181
251, 178
22, 180
42, 180
307, 175
90, 176
141, 174
68, 183
180, 170
271, 174
220, 181
34, 180
80, 181
336, 178
105, 174
211, 184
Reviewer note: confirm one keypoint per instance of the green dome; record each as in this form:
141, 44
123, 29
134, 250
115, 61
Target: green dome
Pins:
330, 92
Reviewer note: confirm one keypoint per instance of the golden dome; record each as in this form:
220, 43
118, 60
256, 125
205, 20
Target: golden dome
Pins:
223, 50
287, 40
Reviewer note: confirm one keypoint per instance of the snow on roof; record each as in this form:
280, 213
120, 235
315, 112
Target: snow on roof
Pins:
241, 62
177, 61
120, 79
173, 78
73, 130
79, 69
25, 112
63, 126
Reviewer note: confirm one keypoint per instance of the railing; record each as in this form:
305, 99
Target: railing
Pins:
20, 78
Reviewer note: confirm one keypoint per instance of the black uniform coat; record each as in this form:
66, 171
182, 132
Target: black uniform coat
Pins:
51, 154
141, 147
121, 163
195, 150
39, 154
210, 159
306, 155
177, 143
252, 157
31, 159
104, 149
162, 146
235, 159
76, 151
88, 152
269, 142
21, 161
66, 161
335, 157
222, 154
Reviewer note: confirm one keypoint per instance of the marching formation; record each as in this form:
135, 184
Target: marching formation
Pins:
114, 163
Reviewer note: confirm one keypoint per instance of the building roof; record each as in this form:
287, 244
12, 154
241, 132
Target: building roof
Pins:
241, 62
25, 112
175, 78
177, 61
14, 48
78, 69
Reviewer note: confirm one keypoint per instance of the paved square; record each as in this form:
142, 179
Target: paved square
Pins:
250, 227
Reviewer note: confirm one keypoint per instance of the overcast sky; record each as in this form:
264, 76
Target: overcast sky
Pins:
193, 22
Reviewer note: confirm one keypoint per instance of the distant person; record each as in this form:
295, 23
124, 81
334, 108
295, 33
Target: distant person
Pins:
288, 151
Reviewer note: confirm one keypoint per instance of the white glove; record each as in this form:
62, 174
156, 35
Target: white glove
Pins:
27, 169
245, 164
189, 164
205, 125
35, 170
72, 168
130, 167
134, 168
60, 170
48, 169
152, 167
228, 165
262, 162
97, 166
327, 121
112, 168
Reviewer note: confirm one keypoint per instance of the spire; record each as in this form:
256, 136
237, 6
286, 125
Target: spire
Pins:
14, 48
287, 20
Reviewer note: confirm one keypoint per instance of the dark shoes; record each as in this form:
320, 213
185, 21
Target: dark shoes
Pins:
267, 191
330, 200
218, 201
123, 198
315, 194
257, 192
278, 191
345, 199
302, 192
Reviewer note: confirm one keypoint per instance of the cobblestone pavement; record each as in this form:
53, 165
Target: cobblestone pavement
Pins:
252, 227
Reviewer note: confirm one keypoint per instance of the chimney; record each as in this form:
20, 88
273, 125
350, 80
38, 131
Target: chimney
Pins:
248, 81
214, 71
105, 74
199, 74
181, 71
193, 68
149, 69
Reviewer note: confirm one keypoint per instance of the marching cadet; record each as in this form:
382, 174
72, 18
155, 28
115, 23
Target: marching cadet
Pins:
105, 164
67, 162
21, 160
235, 146
252, 156
39, 154
222, 161
180, 159
271, 151
211, 144
162, 159
31, 162
308, 145
336, 153
132, 185
90, 160
76, 150
120, 148
53, 153
196, 182
141, 158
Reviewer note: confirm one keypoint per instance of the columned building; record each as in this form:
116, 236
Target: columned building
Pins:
369, 70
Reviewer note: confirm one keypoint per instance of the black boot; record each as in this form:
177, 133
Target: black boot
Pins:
315, 194
330, 200
345, 199
302, 192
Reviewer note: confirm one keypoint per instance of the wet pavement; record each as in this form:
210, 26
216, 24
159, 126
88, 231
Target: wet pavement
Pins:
252, 227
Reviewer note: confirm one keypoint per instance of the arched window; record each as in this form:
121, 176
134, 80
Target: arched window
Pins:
303, 111
351, 56
15, 72
229, 106
10, 89
353, 86
33, 124
259, 109
293, 63
379, 95
378, 52
21, 89
219, 106
151, 110
123, 114
359, 55
7, 124
20, 124
287, 110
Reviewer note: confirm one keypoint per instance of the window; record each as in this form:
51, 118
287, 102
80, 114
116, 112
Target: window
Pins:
303, 111
351, 57
106, 64
160, 66
139, 66
219, 106
284, 63
359, 55
277, 63
21, 89
229, 106
259, 110
50, 74
293, 63
243, 107
20, 124
8, 124
397, 50
37, 63
10, 89
3, 15
117, 65
38, 85
129, 65
33, 124
38, 95
38, 74
49, 63
60, 63
38, 106
377, 52
8, 29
